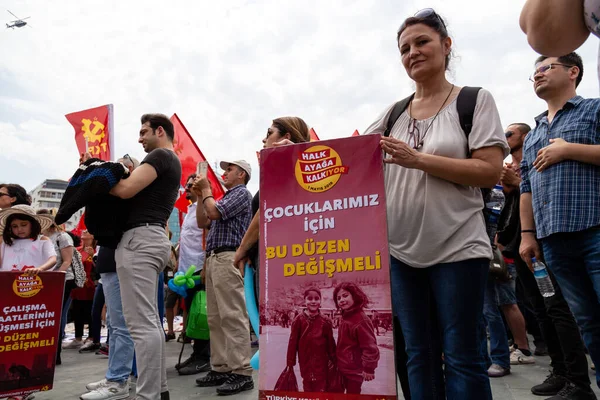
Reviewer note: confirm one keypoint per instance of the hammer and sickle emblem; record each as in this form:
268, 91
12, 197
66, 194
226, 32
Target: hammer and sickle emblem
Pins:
95, 134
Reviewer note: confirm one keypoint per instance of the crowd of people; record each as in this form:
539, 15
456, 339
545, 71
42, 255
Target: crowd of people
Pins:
443, 145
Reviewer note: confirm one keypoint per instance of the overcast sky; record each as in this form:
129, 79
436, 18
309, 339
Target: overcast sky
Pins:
229, 69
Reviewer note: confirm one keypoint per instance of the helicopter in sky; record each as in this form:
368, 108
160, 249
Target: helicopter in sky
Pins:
18, 23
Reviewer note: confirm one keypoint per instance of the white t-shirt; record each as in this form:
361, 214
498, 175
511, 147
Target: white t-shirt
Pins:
191, 251
25, 253
431, 220
62, 240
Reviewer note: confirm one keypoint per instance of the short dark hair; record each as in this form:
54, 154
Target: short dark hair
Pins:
360, 298
8, 236
18, 192
523, 127
192, 176
572, 59
434, 21
312, 289
156, 120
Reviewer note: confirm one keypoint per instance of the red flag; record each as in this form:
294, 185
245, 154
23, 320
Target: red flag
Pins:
356, 133
182, 204
94, 126
313, 135
80, 226
190, 155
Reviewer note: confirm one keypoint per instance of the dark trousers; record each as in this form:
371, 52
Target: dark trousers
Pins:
558, 327
97, 306
82, 313
401, 358
69, 285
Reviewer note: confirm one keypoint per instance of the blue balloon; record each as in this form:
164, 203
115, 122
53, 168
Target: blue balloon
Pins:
252, 307
180, 290
254, 362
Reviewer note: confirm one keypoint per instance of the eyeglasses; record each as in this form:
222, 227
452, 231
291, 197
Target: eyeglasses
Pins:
545, 68
509, 134
414, 133
426, 13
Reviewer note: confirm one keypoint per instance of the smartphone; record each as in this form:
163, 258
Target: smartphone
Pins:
202, 168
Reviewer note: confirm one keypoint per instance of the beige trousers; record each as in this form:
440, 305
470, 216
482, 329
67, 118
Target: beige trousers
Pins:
143, 254
227, 315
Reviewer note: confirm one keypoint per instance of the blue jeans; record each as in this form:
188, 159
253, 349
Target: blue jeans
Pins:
499, 294
120, 354
440, 309
574, 258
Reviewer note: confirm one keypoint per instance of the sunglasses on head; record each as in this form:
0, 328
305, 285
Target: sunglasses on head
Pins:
128, 158
426, 13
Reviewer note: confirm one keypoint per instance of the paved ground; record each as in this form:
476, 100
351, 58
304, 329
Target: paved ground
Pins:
79, 369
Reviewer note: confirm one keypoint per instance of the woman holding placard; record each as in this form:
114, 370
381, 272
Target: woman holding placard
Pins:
438, 243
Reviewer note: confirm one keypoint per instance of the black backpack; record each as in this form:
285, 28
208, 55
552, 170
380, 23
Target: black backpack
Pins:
465, 104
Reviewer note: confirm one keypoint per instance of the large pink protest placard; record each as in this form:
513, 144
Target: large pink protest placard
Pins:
325, 309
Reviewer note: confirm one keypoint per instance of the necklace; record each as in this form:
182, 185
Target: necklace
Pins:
414, 133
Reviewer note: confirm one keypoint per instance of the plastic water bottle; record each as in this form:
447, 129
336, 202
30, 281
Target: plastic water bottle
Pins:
493, 207
542, 278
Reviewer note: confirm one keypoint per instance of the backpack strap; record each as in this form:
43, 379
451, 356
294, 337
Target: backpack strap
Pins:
465, 105
397, 111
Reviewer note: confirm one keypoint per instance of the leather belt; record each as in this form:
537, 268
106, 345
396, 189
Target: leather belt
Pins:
221, 249
147, 224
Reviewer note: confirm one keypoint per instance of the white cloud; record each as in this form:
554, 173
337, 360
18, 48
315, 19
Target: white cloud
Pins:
228, 69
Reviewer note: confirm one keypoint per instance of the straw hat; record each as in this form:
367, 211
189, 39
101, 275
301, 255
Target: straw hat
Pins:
46, 221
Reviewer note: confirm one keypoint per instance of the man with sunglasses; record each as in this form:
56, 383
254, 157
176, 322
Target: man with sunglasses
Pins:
191, 253
560, 201
557, 325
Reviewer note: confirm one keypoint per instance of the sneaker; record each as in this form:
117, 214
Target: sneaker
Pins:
186, 362
213, 378
195, 366
517, 358
235, 384
551, 386
110, 391
89, 347
165, 396
496, 371
96, 385
73, 344
572, 392
169, 336
102, 351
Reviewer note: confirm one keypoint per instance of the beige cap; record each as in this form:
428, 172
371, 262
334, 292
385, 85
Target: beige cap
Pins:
243, 164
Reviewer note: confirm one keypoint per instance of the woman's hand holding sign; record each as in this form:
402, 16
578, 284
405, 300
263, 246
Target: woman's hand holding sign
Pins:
400, 153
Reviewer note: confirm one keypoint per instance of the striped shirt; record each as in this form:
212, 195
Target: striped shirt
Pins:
565, 196
236, 214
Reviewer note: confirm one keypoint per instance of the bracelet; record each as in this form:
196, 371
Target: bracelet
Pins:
528, 231
207, 197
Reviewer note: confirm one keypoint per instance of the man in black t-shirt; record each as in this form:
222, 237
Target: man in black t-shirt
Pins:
144, 250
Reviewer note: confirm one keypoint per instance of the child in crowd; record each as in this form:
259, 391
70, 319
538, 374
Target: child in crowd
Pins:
312, 339
23, 247
357, 351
